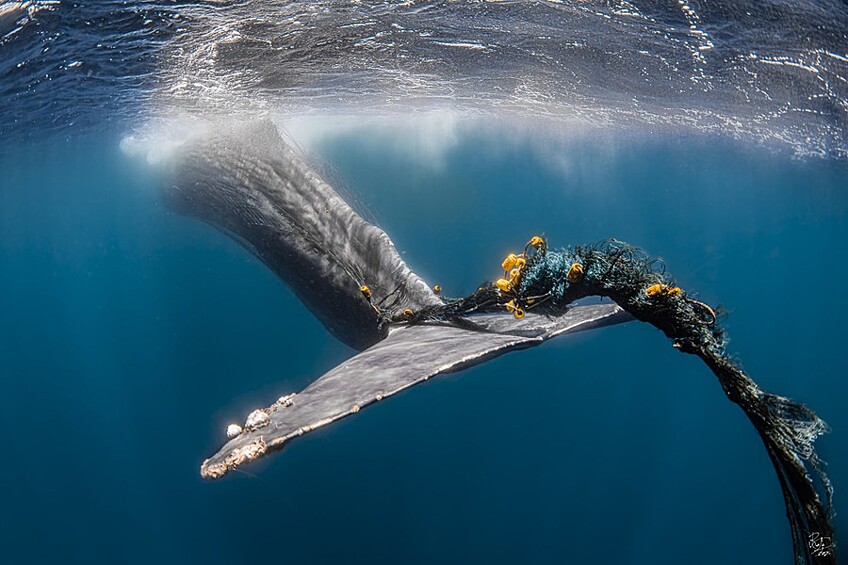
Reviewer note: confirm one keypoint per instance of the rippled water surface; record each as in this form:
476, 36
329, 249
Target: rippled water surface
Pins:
761, 71
713, 134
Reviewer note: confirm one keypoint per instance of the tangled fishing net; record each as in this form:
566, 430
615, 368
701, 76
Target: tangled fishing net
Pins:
549, 281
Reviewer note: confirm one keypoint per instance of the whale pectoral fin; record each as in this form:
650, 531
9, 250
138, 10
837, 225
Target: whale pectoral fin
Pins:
408, 356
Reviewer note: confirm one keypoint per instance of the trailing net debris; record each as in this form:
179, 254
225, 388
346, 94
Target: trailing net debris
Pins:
549, 281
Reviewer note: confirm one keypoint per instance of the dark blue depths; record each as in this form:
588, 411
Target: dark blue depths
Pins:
130, 337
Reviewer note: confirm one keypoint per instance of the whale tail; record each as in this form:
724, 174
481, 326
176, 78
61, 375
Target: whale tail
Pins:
245, 180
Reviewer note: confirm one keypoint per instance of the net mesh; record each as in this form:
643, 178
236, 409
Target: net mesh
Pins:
549, 281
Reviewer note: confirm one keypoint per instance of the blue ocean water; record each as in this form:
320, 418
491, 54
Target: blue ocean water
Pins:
710, 134
132, 336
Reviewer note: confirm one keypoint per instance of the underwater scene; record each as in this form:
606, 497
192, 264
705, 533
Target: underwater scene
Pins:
191, 279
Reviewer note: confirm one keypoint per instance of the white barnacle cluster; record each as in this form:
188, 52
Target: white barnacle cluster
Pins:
249, 452
257, 419
233, 430
283, 402
253, 450
260, 418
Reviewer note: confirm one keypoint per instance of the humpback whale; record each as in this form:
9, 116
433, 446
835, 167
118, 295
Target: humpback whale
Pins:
246, 181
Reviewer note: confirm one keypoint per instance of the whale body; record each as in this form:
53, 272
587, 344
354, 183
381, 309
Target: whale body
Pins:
247, 182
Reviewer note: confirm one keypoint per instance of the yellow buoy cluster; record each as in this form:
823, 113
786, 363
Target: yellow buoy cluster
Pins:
538, 242
660, 290
515, 309
513, 266
367, 294
575, 273
656, 290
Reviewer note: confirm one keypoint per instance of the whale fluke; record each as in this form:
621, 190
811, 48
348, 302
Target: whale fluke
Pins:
408, 356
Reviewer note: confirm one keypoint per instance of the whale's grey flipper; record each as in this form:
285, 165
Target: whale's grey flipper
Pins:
245, 180
408, 356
